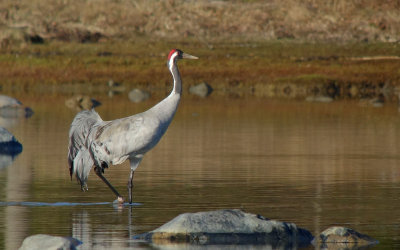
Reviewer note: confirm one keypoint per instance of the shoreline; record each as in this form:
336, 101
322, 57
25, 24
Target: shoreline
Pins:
271, 69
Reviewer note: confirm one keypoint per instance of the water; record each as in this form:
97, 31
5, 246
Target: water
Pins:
314, 164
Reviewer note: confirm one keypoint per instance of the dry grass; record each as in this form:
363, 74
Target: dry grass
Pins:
306, 20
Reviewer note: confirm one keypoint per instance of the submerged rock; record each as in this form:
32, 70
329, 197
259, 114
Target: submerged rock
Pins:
138, 95
343, 238
202, 89
43, 241
228, 227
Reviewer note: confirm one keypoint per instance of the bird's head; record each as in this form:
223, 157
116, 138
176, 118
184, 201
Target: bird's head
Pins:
176, 54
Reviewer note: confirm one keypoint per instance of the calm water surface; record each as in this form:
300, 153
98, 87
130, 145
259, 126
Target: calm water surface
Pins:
313, 164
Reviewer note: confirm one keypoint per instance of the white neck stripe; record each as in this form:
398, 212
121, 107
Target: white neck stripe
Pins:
171, 60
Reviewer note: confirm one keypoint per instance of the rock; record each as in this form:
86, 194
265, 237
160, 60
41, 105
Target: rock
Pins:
115, 88
343, 238
8, 144
228, 227
325, 99
138, 95
202, 89
6, 101
6, 136
81, 102
12, 108
43, 241
115, 85
15, 112
18, 35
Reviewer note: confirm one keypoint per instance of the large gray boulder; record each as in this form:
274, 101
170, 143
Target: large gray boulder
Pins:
343, 238
44, 241
228, 227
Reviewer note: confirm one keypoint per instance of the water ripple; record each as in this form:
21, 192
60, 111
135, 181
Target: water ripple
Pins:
58, 204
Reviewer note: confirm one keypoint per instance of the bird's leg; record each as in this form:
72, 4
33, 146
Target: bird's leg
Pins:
134, 163
98, 171
130, 186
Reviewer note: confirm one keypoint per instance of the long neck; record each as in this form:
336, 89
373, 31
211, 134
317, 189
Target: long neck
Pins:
173, 67
166, 108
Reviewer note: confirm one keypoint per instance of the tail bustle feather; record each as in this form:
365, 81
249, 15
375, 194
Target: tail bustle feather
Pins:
82, 165
79, 134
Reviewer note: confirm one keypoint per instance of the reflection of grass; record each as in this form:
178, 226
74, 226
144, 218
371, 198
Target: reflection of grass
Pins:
226, 65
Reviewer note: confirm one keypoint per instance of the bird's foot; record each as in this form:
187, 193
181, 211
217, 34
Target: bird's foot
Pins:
119, 203
84, 187
119, 200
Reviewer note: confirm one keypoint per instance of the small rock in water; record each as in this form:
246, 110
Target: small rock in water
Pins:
202, 89
138, 95
8, 143
325, 99
343, 238
115, 88
81, 102
43, 241
228, 227
13, 108
115, 85
15, 112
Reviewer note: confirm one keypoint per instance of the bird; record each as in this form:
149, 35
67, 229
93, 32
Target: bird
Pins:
98, 143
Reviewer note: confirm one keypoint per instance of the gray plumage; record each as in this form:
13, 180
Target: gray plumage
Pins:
79, 159
103, 143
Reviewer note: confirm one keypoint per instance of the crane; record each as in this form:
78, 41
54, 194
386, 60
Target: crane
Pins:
98, 143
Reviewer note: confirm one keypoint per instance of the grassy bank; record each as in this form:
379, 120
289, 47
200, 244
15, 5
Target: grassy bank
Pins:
228, 67
244, 46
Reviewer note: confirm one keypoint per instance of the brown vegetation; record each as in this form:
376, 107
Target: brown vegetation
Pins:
244, 46
235, 69
206, 20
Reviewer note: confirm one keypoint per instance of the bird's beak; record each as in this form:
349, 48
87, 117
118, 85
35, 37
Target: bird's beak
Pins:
187, 56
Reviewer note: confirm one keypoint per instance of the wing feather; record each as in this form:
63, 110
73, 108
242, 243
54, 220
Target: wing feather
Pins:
118, 139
